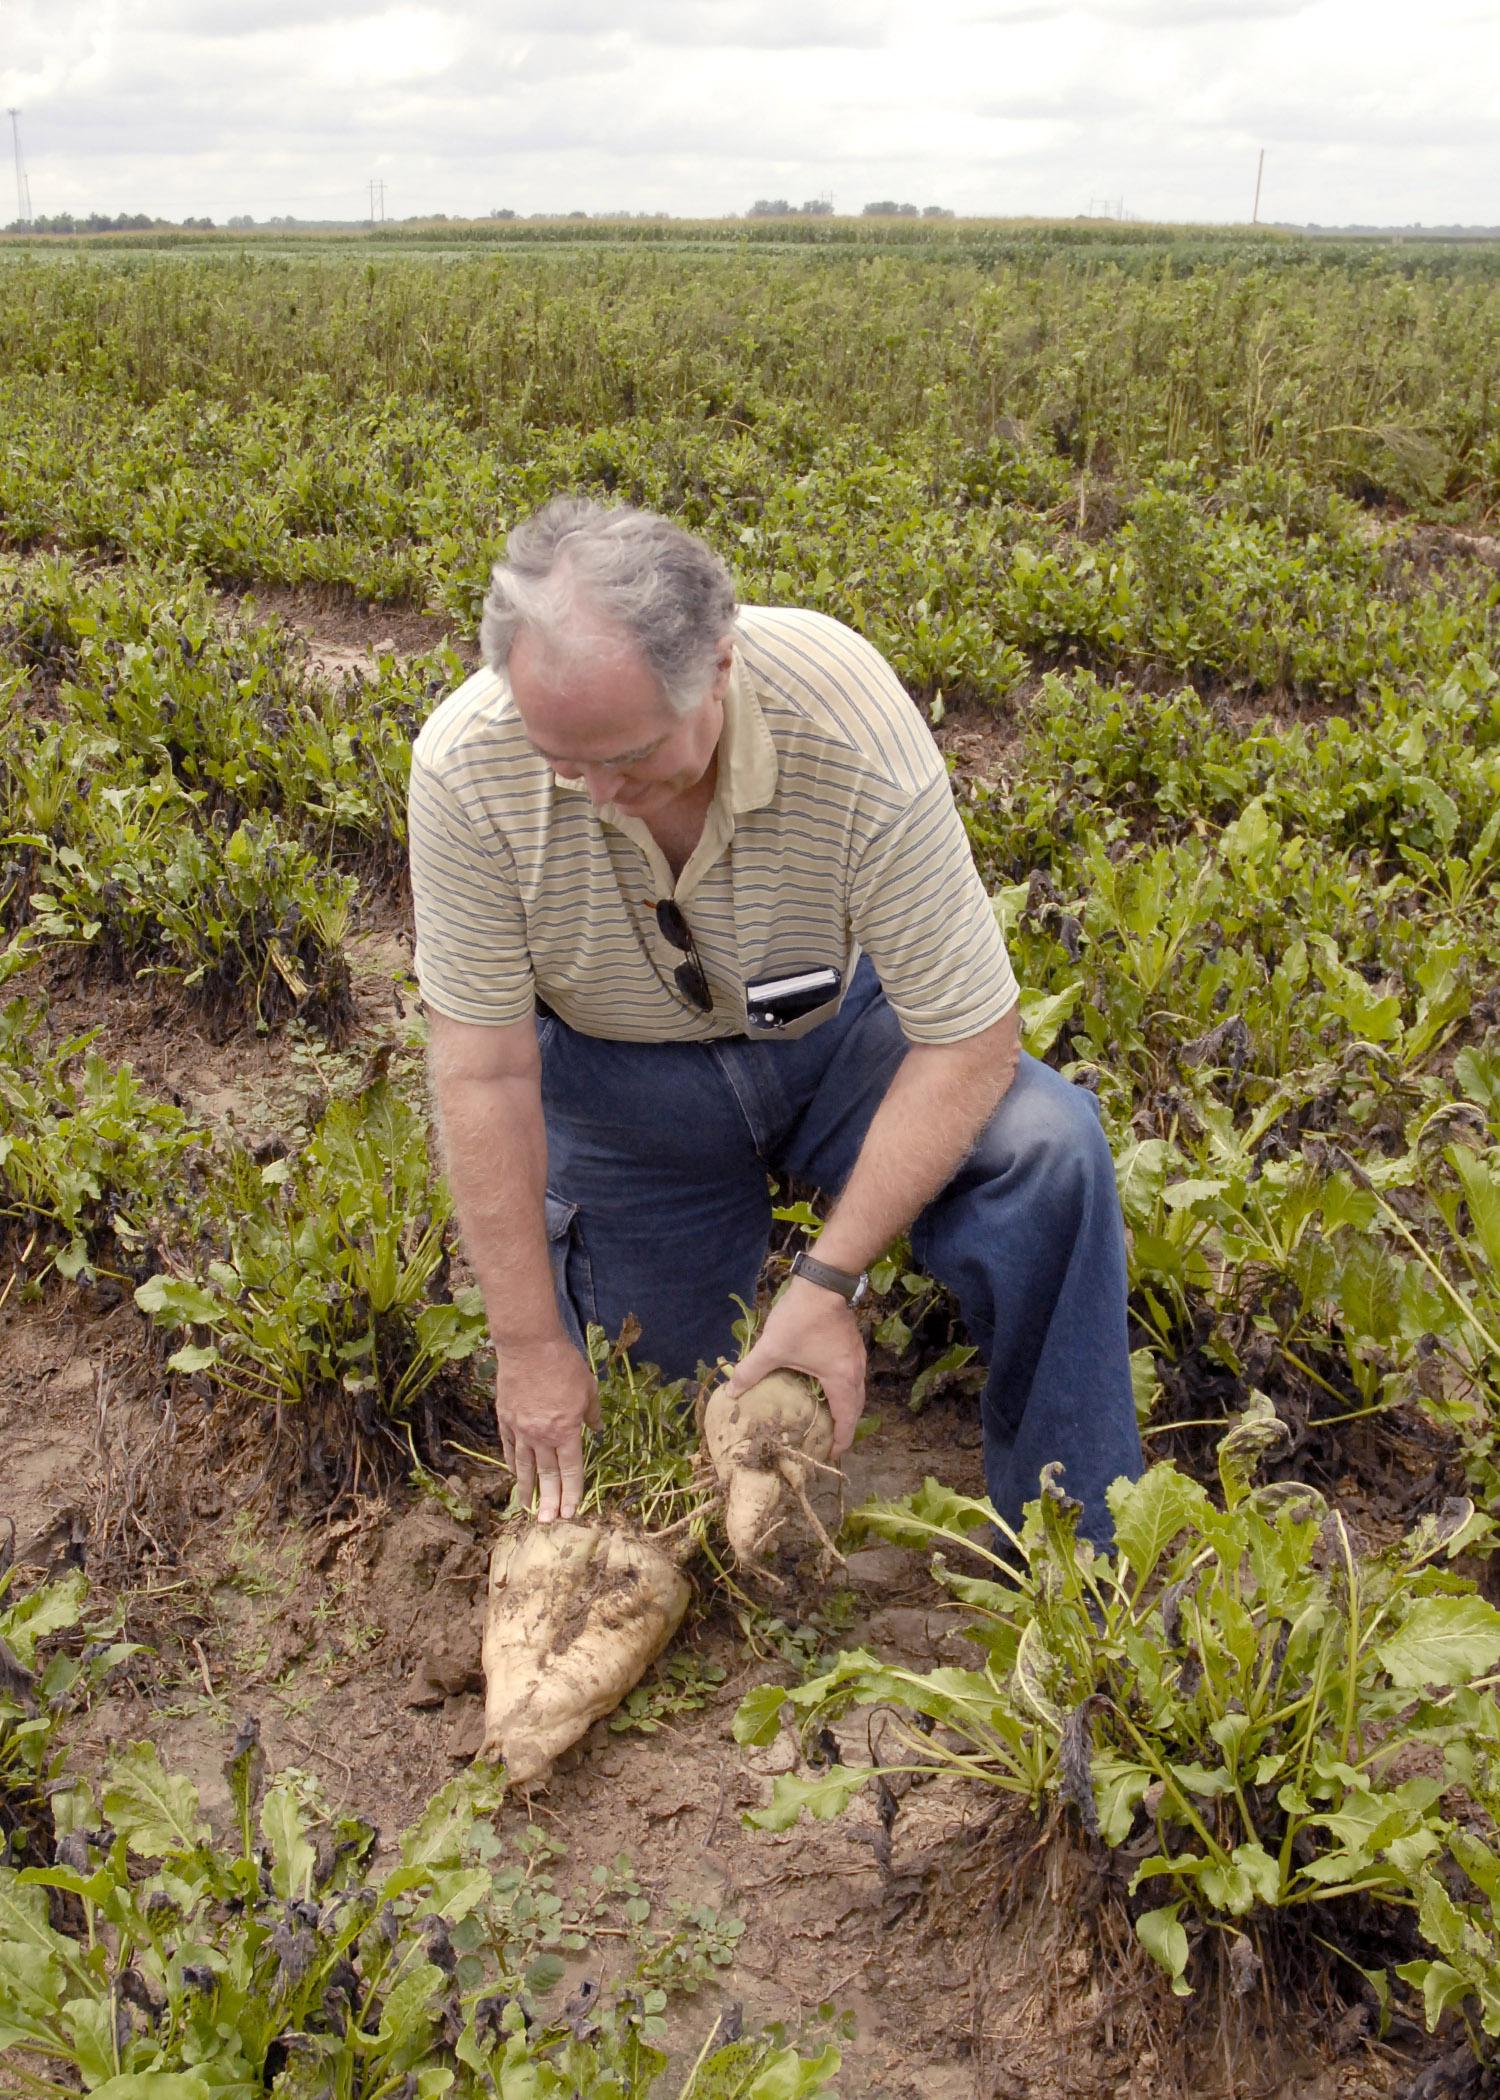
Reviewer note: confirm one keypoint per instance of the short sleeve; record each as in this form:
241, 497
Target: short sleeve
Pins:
919, 911
472, 959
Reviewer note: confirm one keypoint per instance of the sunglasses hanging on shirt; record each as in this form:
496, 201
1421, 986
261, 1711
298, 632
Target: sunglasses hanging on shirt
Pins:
689, 977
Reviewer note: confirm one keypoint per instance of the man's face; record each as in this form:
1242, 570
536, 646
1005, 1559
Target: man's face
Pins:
600, 716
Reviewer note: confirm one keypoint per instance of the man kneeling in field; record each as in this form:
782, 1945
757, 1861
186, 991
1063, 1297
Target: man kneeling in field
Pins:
694, 907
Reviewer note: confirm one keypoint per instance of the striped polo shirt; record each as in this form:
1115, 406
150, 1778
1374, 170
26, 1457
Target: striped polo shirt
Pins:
832, 830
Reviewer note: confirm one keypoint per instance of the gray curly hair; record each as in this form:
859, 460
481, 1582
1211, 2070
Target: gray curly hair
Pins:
577, 566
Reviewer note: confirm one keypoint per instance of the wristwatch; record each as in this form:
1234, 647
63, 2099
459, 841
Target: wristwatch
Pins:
852, 1289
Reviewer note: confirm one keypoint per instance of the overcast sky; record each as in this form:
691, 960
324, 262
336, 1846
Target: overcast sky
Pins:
1368, 110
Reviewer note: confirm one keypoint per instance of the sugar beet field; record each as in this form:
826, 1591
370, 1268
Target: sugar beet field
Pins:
1187, 547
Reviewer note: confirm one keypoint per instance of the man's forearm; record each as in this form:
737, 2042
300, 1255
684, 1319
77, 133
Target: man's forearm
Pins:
494, 1146
933, 1112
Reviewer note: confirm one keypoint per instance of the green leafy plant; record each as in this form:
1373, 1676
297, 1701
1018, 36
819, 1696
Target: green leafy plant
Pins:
54, 1652
277, 1961
1237, 1694
681, 1684
87, 1160
245, 919
805, 1643
152, 673
1457, 1893
324, 1292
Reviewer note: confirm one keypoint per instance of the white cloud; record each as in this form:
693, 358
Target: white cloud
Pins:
1184, 15
215, 19
774, 25
215, 106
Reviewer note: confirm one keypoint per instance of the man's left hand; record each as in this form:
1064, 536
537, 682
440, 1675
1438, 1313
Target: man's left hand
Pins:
811, 1329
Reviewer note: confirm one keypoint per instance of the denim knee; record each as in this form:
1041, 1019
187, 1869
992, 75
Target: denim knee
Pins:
1046, 1132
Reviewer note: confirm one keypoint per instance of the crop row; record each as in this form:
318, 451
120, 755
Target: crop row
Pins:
1271, 1728
185, 794
1369, 378
969, 567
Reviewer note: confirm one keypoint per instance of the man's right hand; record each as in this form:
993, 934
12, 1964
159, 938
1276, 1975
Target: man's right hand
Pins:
544, 1393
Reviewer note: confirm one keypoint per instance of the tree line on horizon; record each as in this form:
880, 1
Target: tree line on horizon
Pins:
67, 222
822, 208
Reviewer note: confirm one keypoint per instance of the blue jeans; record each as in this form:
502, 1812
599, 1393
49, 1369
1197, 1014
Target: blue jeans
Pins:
658, 1206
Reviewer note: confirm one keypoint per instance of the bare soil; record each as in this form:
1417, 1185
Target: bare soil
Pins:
346, 634
258, 1086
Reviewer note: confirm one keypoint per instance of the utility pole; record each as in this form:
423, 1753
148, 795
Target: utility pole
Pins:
1260, 170
377, 187
23, 187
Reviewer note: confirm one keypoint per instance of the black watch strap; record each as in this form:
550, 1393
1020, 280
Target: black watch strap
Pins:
849, 1287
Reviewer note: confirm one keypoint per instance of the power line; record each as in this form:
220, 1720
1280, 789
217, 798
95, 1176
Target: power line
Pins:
23, 187
377, 187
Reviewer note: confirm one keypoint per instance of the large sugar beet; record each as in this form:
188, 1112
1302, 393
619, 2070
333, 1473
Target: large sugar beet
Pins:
576, 1615
767, 1446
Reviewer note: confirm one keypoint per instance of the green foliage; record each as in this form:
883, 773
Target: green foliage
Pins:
682, 1683
1457, 1913
1363, 364
87, 1161
53, 1653
906, 462
803, 1643
247, 920
1260, 947
179, 806
644, 1465
146, 667
320, 1279
1269, 1719
280, 1962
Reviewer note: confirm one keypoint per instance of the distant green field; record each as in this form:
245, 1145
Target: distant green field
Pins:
983, 241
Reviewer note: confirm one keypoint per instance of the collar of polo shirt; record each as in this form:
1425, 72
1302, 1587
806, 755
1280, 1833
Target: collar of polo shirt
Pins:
747, 757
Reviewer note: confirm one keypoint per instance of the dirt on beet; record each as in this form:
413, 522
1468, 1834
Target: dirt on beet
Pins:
769, 1446
575, 1615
